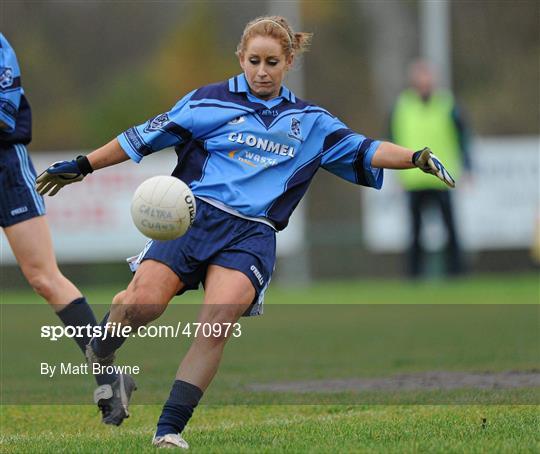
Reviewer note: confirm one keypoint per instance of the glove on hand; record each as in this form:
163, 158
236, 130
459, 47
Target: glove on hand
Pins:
62, 173
427, 162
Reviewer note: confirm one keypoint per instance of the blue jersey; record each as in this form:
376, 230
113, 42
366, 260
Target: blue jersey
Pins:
252, 157
15, 115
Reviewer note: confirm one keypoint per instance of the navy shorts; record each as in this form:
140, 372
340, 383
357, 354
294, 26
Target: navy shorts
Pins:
19, 199
217, 237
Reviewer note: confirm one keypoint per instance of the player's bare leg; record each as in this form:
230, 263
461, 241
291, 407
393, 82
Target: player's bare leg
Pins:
228, 294
32, 246
147, 295
145, 299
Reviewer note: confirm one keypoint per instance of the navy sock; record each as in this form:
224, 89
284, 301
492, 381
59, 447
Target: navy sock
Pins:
79, 313
104, 347
177, 411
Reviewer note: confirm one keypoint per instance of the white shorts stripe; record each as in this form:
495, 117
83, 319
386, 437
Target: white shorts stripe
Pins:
33, 181
22, 154
136, 260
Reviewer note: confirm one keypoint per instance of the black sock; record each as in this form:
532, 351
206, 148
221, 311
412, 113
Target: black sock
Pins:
178, 409
79, 313
104, 347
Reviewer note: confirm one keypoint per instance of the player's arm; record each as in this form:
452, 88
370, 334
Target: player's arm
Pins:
392, 156
10, 87
108, 155
359, 159
165, 130
63, 173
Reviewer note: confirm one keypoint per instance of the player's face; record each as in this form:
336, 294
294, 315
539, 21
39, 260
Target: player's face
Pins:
265, 65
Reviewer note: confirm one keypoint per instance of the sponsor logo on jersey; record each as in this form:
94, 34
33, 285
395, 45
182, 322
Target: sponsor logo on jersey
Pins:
135, 142
269, 113
6, 77
157, 123
262, 144
257, 274
237, 121
295, 129
253, 159
8, 107
18, 211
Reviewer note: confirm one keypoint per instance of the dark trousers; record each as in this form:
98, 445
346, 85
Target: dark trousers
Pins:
419, 201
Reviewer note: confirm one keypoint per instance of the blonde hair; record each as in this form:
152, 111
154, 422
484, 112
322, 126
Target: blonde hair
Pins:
278, 27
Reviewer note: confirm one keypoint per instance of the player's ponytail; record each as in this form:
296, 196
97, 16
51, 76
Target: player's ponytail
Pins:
302, 42
279, 28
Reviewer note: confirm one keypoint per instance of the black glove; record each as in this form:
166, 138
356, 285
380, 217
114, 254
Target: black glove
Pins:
427, 162
62, 173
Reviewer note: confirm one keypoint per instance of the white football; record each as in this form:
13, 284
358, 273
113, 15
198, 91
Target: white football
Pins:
163, 208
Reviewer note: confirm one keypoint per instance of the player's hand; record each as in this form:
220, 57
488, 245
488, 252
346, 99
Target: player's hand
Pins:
62, 173
427, 162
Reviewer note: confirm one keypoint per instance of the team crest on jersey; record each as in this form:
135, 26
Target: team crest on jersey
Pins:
6, 77
295, 129
157, 123
237, 120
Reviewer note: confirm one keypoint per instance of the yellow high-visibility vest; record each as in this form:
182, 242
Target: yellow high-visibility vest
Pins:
417, 124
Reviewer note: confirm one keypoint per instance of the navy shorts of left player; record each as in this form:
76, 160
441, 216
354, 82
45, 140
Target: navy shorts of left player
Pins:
219, 238
19, 201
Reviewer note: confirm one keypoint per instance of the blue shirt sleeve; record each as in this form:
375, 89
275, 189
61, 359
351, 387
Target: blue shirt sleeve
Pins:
348, 154
165, 130
10, 85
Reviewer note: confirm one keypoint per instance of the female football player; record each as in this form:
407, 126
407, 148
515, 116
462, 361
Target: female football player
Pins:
22, 217
248, 148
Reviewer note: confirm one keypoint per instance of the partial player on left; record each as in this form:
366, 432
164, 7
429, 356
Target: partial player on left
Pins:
22, 218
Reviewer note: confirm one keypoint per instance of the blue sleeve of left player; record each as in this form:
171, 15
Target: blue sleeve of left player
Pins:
348, 154
10, 85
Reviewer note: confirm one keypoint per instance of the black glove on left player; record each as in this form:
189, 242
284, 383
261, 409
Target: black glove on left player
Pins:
62, 173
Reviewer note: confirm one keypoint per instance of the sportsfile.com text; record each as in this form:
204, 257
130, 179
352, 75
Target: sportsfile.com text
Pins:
113, 329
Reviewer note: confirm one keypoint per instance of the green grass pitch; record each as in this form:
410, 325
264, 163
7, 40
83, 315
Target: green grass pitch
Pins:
304, 424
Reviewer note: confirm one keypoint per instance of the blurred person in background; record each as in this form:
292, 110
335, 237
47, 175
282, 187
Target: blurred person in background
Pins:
248, 148
426, 115
22, 217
